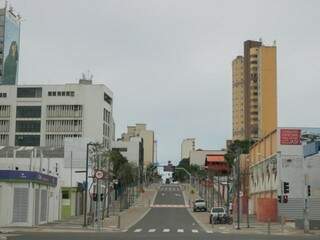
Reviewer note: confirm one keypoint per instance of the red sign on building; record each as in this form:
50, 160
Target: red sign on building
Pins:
290, 137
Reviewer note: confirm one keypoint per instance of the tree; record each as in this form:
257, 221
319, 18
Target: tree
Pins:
151, 172
193, 169
243, 146
121, 169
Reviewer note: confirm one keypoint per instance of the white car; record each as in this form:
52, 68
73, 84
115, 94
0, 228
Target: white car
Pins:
199, 205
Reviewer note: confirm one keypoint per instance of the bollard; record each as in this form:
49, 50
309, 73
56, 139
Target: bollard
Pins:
119, 222
269, 226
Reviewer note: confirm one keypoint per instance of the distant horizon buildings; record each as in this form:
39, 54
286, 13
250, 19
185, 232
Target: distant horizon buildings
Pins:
140, 130
254, 91
187, 146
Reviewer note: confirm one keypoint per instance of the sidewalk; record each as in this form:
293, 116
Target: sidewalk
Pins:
132, 215
202, 218
128, 218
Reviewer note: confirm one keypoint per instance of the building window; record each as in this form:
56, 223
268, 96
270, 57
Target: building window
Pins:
59, 93
120, 149
65, 194
107, 98
27, 140
54, 93
63, 93
28, 126
28, 112
49, 94
3, 95
29, 92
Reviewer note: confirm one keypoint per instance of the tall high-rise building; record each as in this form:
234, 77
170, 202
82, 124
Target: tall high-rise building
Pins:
238, 100
267, 90
258, 71
247, 84
9, 45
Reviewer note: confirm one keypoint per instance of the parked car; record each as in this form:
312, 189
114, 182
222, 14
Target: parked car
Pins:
199, 205
167, 181
218, 215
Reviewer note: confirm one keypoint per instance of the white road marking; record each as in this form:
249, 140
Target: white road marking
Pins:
138, 230
166, 230
180, 230
195, 231
152, 230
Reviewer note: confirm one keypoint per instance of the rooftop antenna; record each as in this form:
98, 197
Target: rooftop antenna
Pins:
87, 76
274, 43
260, 40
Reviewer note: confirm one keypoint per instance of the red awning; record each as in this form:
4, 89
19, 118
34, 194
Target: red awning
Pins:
215, 158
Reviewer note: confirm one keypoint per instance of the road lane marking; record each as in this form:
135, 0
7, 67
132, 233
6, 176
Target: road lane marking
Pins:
195, 231
152, 230
180, 230
166, 230
138, 230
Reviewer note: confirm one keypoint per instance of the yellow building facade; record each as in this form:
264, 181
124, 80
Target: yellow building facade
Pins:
255, 116
267, 90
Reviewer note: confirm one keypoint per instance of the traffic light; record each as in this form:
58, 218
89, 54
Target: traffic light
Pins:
280, 199
309, 190
286, 187
285, 199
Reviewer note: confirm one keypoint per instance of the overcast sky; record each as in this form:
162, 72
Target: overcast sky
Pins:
168, 62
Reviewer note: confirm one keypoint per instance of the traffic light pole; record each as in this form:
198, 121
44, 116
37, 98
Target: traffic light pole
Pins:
306, 204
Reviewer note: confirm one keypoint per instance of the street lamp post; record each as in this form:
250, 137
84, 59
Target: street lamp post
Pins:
238, 189
86, 185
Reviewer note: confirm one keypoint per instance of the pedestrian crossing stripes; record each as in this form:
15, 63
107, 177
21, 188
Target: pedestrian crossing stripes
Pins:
164, 230
170, 189
170, 206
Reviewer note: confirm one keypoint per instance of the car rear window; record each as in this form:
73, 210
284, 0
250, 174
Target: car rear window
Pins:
218, 210
197, 201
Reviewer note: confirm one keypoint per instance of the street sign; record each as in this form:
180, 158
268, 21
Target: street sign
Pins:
99, 174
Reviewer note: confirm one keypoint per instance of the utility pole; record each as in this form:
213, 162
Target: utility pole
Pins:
306, 203
238, 189
86, 188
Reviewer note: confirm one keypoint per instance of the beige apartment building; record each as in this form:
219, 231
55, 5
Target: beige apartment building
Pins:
140, 130
256, 75
238, 121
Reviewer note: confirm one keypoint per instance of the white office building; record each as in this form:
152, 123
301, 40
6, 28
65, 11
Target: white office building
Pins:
187, 146
132, 150
44, 115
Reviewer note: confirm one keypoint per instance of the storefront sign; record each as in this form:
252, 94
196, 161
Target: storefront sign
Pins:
290, 136
28, 176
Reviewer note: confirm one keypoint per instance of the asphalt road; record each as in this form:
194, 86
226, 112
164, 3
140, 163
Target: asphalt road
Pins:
169, 215
168, 219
